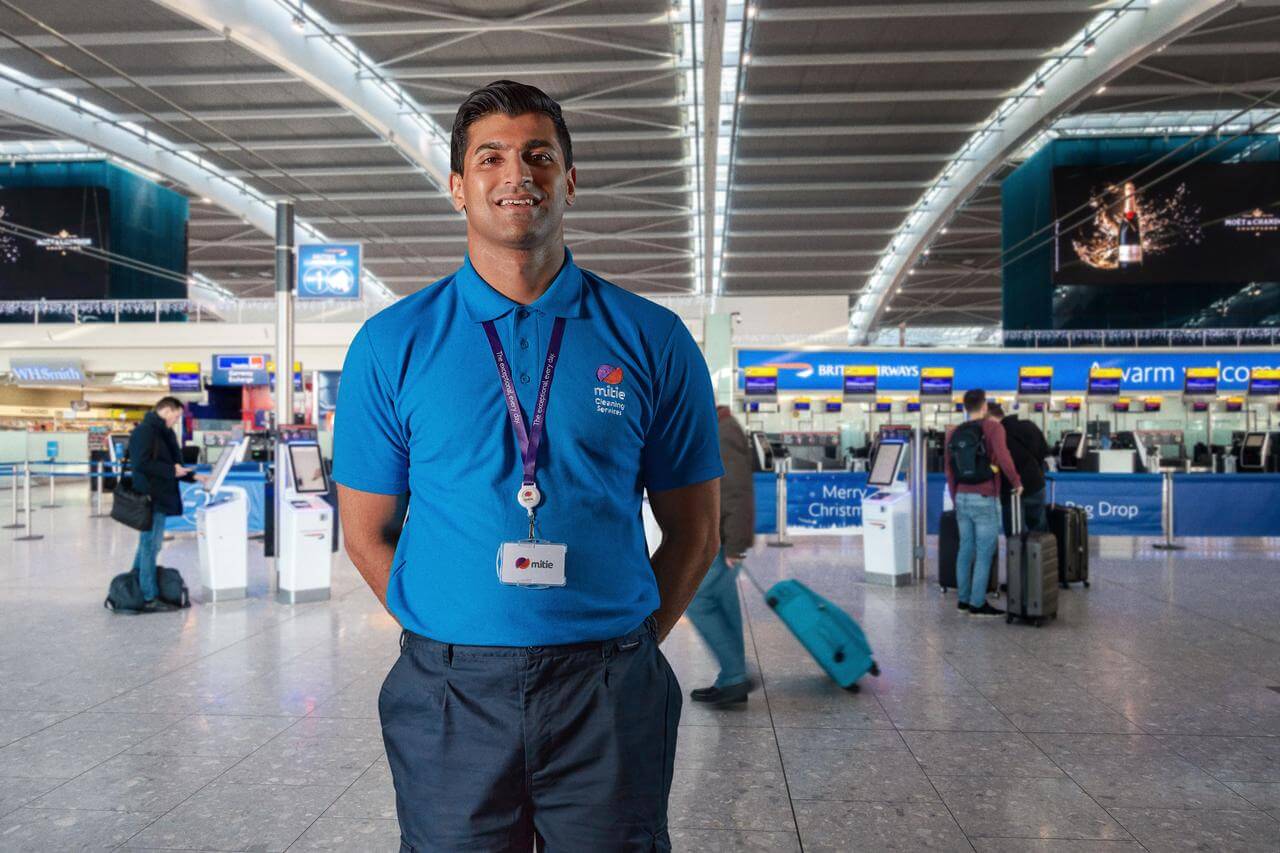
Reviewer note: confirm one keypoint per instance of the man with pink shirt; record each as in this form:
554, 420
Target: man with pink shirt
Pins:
976, 455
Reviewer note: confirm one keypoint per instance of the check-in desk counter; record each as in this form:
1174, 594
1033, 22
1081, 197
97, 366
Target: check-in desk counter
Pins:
1110, 462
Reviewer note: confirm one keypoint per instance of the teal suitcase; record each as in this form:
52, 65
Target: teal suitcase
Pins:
828, 633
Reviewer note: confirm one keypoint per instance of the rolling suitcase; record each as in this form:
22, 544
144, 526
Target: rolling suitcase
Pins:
1070, 527
949, 546
829, 634
1032, 566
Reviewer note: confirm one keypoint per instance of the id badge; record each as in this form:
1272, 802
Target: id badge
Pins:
531, 563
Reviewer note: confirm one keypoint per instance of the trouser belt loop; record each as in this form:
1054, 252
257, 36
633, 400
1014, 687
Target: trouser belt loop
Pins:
404, 638
606, 654
448, 654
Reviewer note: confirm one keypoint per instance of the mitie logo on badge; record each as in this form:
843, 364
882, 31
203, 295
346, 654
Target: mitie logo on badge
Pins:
610, 399
523, 563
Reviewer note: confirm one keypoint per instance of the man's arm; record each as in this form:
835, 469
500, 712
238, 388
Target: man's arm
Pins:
369, 523
690, 522
998, 448
946, 464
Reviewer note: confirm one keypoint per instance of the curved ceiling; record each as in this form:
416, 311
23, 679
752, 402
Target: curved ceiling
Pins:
832, 123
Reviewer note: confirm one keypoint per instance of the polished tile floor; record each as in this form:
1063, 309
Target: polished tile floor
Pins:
1147, 717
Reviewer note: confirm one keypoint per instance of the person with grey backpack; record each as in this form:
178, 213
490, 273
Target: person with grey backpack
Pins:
975, 456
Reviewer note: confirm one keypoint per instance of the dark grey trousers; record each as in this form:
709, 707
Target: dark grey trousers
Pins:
495, 748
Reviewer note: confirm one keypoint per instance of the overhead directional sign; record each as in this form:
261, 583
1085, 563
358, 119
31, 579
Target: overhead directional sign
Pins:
329, 271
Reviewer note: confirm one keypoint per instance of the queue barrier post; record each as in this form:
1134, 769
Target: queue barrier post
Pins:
781, 467
13, 493
1166, 515
103, 467
27, 536
53, 499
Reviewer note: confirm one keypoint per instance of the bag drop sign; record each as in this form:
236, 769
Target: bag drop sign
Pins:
1116, 504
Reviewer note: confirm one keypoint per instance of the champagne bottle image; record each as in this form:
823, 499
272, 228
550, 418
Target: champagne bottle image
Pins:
1130, 231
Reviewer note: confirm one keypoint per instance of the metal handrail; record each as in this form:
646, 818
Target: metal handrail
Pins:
248, 310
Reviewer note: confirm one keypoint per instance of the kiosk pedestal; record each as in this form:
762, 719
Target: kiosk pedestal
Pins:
304, 565
887, 534
222, 532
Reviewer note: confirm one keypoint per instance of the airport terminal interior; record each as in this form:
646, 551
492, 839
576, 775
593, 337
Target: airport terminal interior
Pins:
859, 211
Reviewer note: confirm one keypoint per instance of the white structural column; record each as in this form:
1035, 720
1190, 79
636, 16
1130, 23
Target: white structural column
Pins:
1138, 31
712, 46
328, 62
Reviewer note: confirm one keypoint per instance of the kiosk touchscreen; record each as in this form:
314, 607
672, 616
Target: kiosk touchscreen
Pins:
886, 518
1073, 450
222, 531
305, 562
1254, 451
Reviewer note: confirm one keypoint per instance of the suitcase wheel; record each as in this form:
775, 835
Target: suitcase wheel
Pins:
1008, 618
854, 688
942, 589
1086, 584
838, 657
772, 601
1065, 585
874, 670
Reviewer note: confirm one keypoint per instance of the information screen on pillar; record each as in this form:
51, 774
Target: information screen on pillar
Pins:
1120, 406
1201, 381
1264, 383
308, 469
1071, 406
936, 382
43, 243
1208, 222
1035, 381
1151, 404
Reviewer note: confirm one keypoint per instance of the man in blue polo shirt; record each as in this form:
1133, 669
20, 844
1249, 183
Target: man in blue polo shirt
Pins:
525, 404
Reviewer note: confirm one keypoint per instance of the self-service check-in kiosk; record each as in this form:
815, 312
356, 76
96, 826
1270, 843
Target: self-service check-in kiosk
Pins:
222, 531
886, 518
304, 564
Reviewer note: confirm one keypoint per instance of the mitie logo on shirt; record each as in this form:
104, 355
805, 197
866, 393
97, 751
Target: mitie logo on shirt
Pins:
610, 399
523, 563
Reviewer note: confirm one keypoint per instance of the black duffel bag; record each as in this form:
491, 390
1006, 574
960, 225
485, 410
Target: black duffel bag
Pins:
130, 508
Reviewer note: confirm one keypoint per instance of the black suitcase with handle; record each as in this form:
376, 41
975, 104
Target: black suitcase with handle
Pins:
1070, 527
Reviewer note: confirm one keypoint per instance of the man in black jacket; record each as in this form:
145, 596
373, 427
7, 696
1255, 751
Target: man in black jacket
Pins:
1029, 449
154, 457
715, 611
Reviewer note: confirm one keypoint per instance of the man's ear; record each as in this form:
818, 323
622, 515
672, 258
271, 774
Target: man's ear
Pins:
455, 192
571, 184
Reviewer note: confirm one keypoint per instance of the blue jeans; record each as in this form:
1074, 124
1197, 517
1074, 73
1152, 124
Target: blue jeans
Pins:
717, 614
144, 559
979, 520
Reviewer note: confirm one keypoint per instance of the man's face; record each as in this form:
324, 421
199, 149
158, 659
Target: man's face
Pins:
514, 186
170, 416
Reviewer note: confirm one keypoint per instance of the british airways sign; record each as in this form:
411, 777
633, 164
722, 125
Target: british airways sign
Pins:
817, 370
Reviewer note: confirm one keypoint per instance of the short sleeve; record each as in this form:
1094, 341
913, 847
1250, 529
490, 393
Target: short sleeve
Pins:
682, 446
370, 453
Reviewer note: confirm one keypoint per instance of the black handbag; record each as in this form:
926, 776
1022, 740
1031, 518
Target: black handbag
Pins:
130, 508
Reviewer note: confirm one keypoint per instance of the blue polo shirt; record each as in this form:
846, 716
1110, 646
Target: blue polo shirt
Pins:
420, 408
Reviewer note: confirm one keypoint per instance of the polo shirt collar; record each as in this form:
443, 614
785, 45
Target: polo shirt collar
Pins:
563, 298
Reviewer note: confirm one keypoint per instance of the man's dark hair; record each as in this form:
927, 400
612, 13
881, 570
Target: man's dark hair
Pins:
995, 410
168, 403
973, 400
511, 99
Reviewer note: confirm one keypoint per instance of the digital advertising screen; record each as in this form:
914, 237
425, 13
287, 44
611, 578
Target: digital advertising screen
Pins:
1035, 381
1201, 381
1264, 383
1208, 222
936, 381
44, 232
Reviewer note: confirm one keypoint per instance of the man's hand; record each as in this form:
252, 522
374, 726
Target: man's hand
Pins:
732, 562
202, 478
1017, 490
690, 522
180, 472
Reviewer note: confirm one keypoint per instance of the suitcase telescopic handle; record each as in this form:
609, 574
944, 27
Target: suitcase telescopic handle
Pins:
1015, 522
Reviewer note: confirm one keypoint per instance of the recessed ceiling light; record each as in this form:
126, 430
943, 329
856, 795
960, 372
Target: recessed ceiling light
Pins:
299, 23
1101, 89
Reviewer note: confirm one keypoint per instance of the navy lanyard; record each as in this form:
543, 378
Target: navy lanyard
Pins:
529, 439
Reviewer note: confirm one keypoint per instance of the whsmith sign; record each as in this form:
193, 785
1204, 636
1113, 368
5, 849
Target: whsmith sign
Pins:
47, 371
821, 370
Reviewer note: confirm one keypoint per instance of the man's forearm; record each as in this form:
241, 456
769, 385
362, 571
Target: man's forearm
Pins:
373, 562
680, 563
